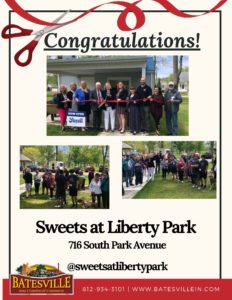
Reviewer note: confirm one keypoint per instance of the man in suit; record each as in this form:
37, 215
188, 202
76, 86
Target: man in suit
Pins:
97, 95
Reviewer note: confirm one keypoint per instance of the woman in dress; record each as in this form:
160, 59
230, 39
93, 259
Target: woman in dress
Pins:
156, 108
82, 96
63, 105
122, 94
134, 118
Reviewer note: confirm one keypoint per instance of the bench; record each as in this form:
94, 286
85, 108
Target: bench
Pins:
51, 109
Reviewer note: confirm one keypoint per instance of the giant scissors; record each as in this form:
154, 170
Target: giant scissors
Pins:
30, 47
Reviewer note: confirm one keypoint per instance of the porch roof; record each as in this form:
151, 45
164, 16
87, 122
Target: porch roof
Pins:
93, 65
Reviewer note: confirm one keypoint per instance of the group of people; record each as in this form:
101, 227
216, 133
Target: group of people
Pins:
193, 168
132, 107
56, 184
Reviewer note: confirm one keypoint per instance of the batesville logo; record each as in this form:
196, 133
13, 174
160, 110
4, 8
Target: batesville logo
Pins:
40, 279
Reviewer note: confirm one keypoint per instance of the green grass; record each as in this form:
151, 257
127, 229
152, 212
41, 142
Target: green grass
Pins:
169, 189
43, 202
49, 95
183, 116
55, 130
183, 120
21, 179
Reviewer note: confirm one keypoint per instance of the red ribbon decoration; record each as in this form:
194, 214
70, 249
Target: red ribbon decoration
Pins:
122, 24
175, 11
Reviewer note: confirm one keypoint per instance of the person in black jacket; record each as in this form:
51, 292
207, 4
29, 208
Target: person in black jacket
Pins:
144, 92
109, 107
122, 94
63, 104
61, 182
28, 181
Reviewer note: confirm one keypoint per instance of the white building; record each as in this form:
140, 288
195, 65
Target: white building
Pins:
91, 69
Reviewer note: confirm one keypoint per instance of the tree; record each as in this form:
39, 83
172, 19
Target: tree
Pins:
56, 153
48, 153
138, 146
105, 150
19, 269
212, 147
40, 267
81, 156
33, 153
177, 69
74, 155
52, 79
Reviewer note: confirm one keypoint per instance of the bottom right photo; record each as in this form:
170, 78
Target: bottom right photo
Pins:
169, 170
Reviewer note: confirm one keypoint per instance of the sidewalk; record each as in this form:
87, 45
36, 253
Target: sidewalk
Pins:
22, 188
131, 191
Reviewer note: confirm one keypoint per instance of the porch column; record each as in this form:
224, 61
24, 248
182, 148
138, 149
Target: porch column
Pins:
144, 72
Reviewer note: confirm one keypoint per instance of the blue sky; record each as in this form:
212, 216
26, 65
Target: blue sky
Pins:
164, 64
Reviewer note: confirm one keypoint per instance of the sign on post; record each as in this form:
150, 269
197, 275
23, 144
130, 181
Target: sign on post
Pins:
76, 119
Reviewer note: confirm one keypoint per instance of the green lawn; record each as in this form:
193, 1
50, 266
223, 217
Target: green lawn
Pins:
49, 95
169, 189
21, 179
183, 118
41, 202
54, 130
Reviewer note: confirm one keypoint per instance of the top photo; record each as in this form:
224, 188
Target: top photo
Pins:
118, 95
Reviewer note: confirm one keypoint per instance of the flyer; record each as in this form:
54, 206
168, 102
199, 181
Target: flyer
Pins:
115, 149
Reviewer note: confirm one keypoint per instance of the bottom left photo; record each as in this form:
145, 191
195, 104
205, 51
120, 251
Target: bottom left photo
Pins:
64, 177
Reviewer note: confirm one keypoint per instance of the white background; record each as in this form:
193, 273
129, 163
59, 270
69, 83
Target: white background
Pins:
188, 256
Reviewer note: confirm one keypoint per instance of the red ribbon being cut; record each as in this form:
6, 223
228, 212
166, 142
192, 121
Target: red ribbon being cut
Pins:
110, 101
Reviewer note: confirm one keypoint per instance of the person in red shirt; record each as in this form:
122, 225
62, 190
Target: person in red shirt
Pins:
156, 108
